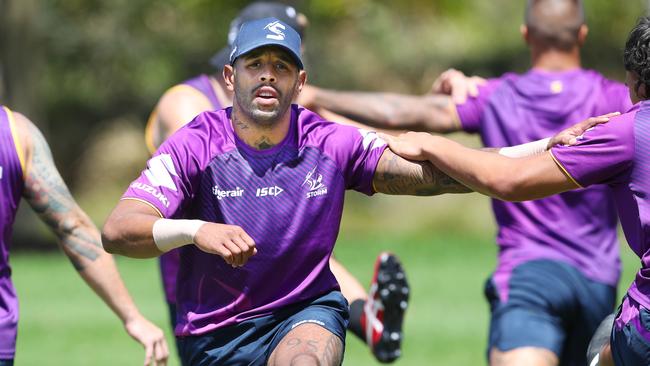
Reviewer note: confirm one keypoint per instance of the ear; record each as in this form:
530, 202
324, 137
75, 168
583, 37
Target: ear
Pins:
582, 34
302, 79
523, 29
229, 77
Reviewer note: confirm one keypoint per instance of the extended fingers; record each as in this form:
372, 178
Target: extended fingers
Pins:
148, 353
161, 353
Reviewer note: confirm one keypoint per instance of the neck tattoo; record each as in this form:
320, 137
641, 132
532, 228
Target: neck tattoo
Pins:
241, 125
263, 143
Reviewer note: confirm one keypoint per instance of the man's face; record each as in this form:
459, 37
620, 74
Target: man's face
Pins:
265, 81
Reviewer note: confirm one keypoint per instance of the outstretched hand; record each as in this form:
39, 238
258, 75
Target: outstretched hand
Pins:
230, 242
408, 145
570, 136
458, 85
151, 338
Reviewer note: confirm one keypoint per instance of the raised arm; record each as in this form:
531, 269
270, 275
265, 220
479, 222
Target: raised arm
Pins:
429, 112
397, 176
492, 174
517, 173
79, 239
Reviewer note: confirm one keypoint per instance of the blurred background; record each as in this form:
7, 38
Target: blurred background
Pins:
88, 72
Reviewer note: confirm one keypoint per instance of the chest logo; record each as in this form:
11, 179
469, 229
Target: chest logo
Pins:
221, 194
269, 191
315, 184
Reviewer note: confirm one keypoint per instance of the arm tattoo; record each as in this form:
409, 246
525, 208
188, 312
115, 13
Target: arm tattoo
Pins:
396, 175
48, 195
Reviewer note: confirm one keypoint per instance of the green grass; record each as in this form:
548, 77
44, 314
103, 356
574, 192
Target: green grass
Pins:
63, 323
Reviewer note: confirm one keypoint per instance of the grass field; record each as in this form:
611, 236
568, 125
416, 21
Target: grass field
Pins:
62, 323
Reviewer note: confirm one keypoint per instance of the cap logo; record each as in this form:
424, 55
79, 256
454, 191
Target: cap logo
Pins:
276, 28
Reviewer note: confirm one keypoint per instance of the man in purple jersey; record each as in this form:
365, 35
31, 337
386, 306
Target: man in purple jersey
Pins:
615, 154
181, 103
253, 196
27, 170
566, 241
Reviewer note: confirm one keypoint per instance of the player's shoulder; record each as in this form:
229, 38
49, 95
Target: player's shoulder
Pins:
181, 95
209, 123
313, 128
620, 128
597, 78
21, 126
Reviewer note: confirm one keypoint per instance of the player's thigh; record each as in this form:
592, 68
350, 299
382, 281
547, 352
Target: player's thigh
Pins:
308, 344
525, 356
528, 313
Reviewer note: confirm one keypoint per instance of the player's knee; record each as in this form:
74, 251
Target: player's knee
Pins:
524, 356
305, 359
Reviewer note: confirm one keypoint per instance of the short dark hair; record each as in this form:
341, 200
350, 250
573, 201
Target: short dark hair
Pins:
636, 57
555, 23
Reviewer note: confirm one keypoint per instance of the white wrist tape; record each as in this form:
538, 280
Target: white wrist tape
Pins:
524, 150
169, 234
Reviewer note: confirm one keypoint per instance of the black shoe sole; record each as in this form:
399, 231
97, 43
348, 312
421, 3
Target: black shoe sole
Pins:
393, 290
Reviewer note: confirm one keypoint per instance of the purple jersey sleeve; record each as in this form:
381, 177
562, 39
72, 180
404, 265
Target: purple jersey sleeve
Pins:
604, 155
357, 152
470, 113
172, 173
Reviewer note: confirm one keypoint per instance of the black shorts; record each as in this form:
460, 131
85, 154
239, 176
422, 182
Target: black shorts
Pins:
550, 305
252, 342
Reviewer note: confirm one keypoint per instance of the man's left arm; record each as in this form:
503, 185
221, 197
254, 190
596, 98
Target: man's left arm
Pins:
397, 176
79, 239
493, 171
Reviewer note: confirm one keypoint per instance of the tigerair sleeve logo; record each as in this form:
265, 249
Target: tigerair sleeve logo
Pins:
277, 29
160, 171
0, 171
315, 184
371, 140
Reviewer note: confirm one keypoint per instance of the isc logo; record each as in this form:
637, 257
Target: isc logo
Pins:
269, 191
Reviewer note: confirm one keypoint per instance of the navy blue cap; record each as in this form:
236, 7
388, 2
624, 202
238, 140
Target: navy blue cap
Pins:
259, 10
266, 32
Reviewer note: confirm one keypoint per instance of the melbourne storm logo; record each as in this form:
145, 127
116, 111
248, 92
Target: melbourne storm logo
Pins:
315, 184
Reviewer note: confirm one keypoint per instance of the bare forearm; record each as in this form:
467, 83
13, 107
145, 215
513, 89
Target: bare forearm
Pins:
434, 113
397, 176
496, 175
130, 234
103, 277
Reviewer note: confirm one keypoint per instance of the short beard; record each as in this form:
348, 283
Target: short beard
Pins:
259, 117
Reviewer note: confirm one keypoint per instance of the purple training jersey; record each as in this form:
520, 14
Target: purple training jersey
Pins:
169, 261
578, 228
618, 154
288, 198
11, 188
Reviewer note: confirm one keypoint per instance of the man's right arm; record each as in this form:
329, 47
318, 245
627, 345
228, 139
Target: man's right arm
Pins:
432, 112
135, 229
